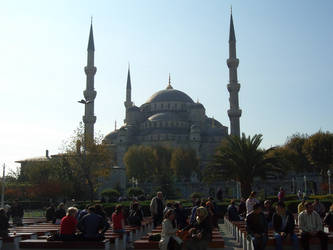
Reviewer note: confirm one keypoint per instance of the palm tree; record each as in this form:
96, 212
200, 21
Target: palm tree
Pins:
242, 160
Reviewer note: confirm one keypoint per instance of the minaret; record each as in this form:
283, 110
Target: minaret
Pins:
128, 103
89, 94
233, 87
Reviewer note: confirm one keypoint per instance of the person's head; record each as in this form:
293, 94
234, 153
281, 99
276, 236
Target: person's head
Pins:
159, 195
232, 202
257, 208
209, 204
98, 207
316, 201
72, 211
253, 194
202, 213
91, 209
170, 214
280, 207
2, 212
308, 207
197, 203
119, 209
331, 208
61, 206
281, 188
267, 203
242, 199
210, 198
169, 204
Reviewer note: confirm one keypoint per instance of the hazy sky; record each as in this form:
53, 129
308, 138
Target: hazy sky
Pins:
285, 50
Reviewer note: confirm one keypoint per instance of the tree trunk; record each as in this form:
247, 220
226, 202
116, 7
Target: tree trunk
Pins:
91, 189
246, 189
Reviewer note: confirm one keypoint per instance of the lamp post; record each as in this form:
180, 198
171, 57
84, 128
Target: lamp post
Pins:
305, 186
293, 184
329, 181
3, 187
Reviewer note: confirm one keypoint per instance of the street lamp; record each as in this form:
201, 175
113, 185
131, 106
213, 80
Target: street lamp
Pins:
305, 185
329, 181
293, 184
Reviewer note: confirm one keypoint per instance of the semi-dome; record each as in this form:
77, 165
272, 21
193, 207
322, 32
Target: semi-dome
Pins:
170, 95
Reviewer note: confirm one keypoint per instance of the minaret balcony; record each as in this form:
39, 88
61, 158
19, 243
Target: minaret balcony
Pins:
234, 112
233, 62
90, 95
233, 87
89, 119
90, 70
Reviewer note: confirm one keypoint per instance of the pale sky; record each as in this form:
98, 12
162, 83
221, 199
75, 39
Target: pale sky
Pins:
285, 50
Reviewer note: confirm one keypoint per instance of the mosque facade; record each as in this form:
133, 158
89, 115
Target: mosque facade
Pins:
169, 117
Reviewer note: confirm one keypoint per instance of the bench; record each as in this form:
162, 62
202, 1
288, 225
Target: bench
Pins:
146, 244
57, 245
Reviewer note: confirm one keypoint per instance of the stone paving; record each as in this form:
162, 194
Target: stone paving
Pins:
229, 242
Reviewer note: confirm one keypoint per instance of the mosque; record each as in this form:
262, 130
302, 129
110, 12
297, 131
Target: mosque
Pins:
169, 117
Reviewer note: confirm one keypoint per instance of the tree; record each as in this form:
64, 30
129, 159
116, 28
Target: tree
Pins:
242, 160
139, 162
296, 155
89, 161
318, 149
184, 163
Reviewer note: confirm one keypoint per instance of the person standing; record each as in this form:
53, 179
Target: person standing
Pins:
232, 211
268, 212
319, 207
250, 202
17, 213
281, 194
156, 208
242, 208
256, 227
283, 224
310, 225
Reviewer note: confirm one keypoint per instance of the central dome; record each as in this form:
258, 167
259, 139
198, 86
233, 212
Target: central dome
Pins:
170, 95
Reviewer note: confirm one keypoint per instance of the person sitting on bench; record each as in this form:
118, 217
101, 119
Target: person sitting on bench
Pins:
4, 225
257, 228
328, 220
90, 224
200, 231
68, 225
284, 225
310, 225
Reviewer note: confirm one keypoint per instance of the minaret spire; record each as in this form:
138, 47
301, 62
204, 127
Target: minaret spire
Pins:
89, 118
234, 112
169, 83
128, 103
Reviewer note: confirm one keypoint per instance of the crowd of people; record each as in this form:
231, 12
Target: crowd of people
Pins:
16, 212
189, 229
262, 216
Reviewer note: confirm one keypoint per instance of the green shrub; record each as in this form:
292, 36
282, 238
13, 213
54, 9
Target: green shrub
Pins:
134, 191
111, 194
196, 195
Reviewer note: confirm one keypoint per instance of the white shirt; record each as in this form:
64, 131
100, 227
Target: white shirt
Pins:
310, 222
250, 202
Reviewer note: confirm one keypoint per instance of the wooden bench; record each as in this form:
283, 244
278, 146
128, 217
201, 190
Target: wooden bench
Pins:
146, 244
57, 245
